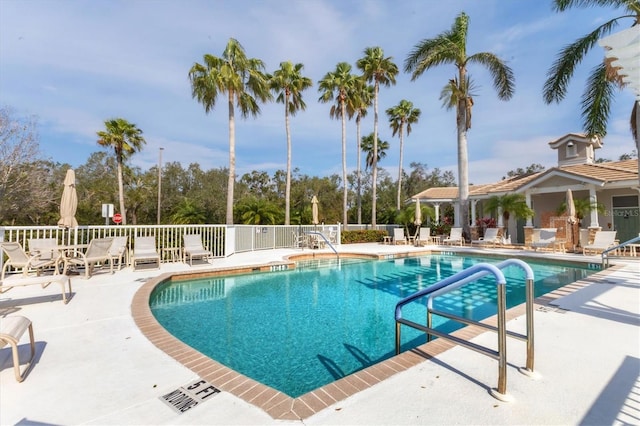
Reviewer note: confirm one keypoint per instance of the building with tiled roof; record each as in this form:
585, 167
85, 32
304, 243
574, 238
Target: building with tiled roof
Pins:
614, 185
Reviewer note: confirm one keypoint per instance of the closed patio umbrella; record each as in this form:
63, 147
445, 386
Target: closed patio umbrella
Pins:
571, 212
314, 210
69, 202
418, 214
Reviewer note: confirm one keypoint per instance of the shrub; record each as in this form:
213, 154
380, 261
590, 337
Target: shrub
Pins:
362, 236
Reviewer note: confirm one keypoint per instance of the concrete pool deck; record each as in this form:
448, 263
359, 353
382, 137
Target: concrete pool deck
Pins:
94, 366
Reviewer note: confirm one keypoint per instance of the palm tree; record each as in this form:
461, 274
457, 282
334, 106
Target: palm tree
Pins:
258, 211
376, 69
401, 115
508, 204
187, 212
288, 83
358, 104
368, 147
125, 138
244, 82
450, 47
336, 86
602, 81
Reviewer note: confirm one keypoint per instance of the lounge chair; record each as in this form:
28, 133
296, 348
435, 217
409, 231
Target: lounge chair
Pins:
544, 238
424, 237
42, 280
398, 236
193, 248
118, 251
19, 259
490, 237
144, 251
11, 330
47, 248
455, 237
602, 241
97, 252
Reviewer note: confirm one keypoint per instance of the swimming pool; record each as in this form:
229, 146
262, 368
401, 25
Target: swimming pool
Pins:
300, 329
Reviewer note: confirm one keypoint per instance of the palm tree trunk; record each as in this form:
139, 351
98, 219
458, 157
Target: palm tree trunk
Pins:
463, 167
400, 167
374, 176
287, 191
123, 212
232, 160
358, 177
343, 107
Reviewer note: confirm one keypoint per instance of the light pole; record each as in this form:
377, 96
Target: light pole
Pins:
159, 181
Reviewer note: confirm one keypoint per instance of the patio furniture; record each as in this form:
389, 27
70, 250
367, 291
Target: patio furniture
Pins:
97, 252
118, 251
43, 281
490, 237
455, 237
11, 330
543, 238
602, 241
19, 259
193, 248
424, 237
398, 236
144, 252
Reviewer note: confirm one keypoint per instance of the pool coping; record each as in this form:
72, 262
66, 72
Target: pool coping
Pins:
277, 404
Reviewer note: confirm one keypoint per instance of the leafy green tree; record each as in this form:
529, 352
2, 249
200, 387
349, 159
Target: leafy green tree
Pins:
187, 212
508, 204
125, 139
244, 82
289, 83
583, 206
420, 178
379, 70
400, 116
530, 169
335, 87
601, 84
369, 148
450, 47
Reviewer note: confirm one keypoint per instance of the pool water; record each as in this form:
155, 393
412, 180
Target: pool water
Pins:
300, 329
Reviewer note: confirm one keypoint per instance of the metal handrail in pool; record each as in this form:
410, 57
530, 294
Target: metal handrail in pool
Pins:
464, 277
326, 240
605, 254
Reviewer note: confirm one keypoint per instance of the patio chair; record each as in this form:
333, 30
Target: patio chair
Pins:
544, 238
19, 259
11, 330
97, 252
193, 248
602, 241
118, 251
424, 237
47, 248
490, 237
455, 237
144, 251
398, 236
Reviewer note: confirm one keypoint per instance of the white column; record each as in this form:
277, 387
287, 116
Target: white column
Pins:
437, 207
593, 199
527, 197
456, 215
500, 221
473, 212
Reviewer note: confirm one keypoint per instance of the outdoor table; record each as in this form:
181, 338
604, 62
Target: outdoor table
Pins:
171, 252
387, 239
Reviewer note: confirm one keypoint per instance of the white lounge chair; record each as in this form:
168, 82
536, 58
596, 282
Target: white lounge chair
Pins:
11, 330
455, 237
97, 252
398, 236
42, 280
193, 248
602, 241
144, 251
19, 259
424, 237
490, 237
544, 238
118, 251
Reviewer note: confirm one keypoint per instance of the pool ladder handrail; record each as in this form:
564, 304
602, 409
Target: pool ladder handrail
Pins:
605, 253
326, 240
464, 277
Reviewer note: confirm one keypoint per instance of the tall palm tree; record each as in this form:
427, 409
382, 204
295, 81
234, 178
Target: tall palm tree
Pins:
288, 84
358, 103
336, 86
244, 82
401, 115
379, 70
599, 89
368, 147
450, 47
125, 138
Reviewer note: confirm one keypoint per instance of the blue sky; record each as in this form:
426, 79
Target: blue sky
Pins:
74, 64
